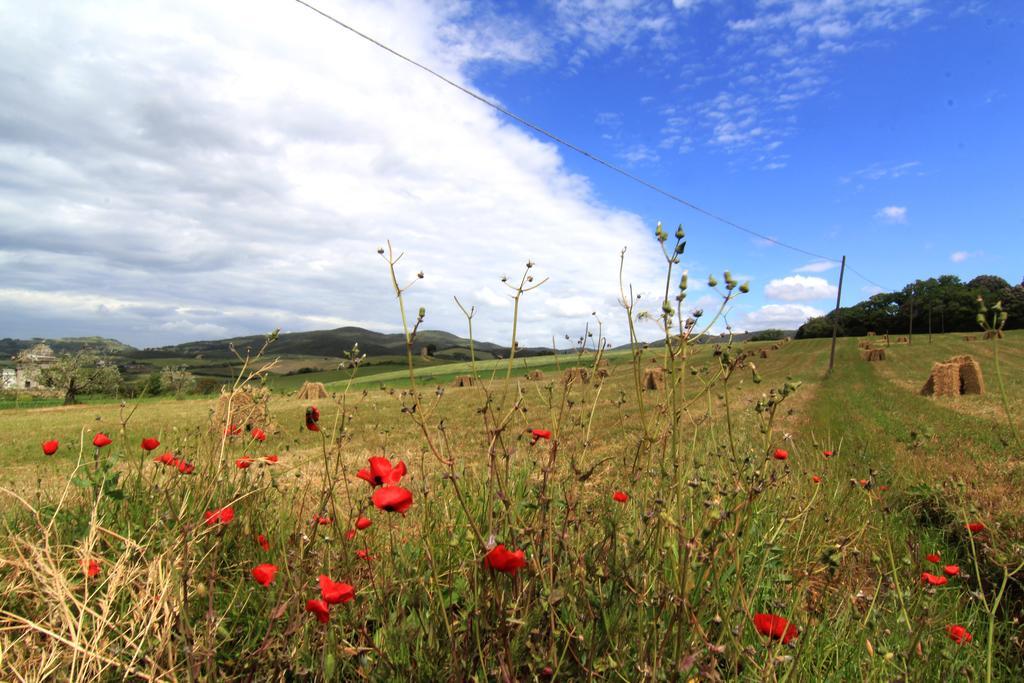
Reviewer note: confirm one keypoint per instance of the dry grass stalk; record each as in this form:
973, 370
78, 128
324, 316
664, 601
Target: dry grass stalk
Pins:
576, 375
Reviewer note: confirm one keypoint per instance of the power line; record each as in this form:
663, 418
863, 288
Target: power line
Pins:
579, 150
870, 281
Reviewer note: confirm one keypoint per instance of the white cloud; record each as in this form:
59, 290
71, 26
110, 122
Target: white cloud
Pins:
799, 288
783, 316
184, 174
879, 171
961, 256
816, 267
892, 214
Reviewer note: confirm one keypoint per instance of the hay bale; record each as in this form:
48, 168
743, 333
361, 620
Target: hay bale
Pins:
581, 375
246, 407
464, 381
874, 355
944, 380
764, 353
993, 334
654, 379
535, 375
971, 381
311, 391
870, 334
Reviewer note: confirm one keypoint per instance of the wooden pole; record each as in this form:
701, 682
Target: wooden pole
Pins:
835, 317
910, 337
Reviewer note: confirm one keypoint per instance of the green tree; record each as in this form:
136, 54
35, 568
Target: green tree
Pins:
177, 379
81, 373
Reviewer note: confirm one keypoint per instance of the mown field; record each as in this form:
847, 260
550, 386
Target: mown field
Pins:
663, 586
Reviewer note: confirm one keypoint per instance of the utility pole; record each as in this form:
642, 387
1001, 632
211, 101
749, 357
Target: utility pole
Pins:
835, 317
910, 338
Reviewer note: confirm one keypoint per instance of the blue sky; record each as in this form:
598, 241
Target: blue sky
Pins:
825, 120
167, 173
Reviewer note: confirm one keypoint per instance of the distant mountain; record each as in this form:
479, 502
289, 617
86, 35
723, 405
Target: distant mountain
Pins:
110, 347
336, 342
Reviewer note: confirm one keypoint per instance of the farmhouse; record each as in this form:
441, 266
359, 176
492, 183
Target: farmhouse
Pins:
28, 368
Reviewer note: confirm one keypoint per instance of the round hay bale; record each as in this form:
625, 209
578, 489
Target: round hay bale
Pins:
764, 353
464, 381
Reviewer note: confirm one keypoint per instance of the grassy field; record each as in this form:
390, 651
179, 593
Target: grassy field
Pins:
663, 586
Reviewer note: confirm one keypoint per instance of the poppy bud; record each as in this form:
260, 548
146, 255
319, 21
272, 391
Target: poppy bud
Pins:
745, 287
712, 282
679, 232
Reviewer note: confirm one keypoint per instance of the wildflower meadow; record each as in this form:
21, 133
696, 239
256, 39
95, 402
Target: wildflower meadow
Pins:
685, 510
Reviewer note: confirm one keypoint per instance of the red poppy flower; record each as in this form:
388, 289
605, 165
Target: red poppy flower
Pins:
320, 609
363, 523
828, 454
232, 430
272, 458
816, 479
958, 634
322, 521
149, 444
164, 459
264, 573
50, 447
975, 527
540, 434
933, 580
91, 568
350, 534
101, 440
382, 472
780, 454
775, 627
933, 557
221, 516
864, 482
883, 488
243, 463
263, 542
312, 417
620, 496
503, 560
258, 434
334, 592
393, 499
186, 467
952, 570
364, 554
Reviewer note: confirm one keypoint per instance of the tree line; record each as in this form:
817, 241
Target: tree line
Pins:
943, 304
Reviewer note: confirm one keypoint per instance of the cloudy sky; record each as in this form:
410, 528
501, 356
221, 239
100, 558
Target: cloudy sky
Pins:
192, 169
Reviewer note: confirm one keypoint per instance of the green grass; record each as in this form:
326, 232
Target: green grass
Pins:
660, 588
